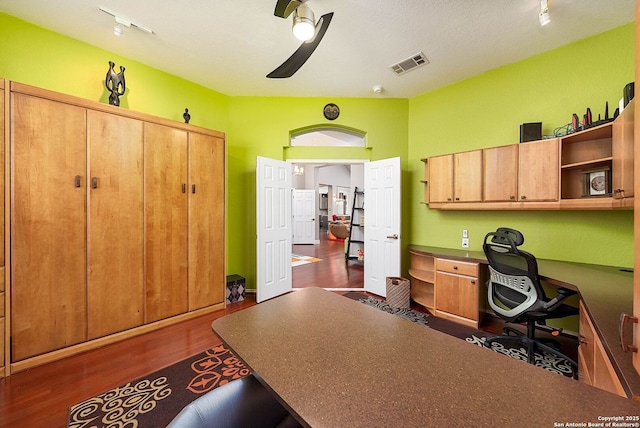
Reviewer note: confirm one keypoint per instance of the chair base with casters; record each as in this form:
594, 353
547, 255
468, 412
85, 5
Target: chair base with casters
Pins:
240, 403
516, 295
533, 345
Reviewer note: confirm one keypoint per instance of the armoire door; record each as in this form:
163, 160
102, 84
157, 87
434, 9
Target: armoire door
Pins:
206, 221
165, 211
48, 263
115, 224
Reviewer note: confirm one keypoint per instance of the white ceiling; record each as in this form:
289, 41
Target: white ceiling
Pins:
230, 46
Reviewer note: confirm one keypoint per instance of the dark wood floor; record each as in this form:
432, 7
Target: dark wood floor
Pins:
332, 271
40, 397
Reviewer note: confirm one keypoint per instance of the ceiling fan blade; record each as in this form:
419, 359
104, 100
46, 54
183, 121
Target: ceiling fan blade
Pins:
302, 54
284, 8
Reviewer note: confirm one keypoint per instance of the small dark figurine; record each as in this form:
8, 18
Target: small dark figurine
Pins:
115, 84
186, 115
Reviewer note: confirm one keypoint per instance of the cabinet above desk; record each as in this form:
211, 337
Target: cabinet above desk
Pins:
605, 292
586, 170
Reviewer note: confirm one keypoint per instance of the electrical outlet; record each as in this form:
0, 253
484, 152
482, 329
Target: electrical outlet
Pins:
465, 233
465, 242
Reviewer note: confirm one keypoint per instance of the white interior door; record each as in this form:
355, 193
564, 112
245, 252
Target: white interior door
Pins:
273, 228
304, 216
382, 226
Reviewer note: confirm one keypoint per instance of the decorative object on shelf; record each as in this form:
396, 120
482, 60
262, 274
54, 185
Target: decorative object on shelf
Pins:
587, 122
627, 93
596, 182
115, 84
331, 111
186, 116
530, 132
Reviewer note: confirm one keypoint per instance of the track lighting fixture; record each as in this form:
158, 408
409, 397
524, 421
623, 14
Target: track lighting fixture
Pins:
543, 16
121, 23
304, 26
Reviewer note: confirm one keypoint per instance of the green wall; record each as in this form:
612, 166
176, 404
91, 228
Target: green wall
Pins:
260, 126
255, 126
487, 110
39, 57
482, 111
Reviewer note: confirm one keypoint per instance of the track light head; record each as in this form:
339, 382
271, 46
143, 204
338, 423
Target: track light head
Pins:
304, 25
543, 16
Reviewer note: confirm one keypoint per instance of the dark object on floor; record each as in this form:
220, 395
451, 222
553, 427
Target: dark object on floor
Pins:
115, 84
235, 288
516, 295
241, 403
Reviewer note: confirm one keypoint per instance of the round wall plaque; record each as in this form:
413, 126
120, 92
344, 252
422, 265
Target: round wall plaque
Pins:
331, 111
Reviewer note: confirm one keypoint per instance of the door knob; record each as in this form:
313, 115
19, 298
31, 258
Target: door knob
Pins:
394, 236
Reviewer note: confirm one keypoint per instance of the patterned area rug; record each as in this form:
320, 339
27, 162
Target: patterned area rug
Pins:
297, 260
154, 400
477, 337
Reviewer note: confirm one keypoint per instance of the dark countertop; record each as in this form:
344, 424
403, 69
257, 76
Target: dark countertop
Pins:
606, 291
335, 362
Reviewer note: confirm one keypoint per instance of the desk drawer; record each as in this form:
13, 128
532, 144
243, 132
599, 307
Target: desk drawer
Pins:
459, 268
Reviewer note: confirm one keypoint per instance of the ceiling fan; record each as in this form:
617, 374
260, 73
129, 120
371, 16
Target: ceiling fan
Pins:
303, 19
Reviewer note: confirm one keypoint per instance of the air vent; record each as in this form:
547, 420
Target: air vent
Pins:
414, 61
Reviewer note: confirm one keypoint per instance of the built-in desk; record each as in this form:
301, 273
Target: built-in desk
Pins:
334, 362
605, 291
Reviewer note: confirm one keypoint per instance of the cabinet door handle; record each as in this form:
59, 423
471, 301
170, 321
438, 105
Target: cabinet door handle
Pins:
512, 197
449, 199
523, 197
455, 268
625, 319
193, 188
473, 281
94, 182
457, 199
184, 187
77, 181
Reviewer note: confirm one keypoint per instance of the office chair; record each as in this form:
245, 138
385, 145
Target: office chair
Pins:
240, 403
516, 295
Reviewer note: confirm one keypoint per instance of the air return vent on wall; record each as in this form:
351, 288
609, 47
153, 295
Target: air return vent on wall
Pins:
414, 61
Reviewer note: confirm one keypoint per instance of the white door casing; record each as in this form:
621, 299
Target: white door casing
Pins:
304, 215
273, 228
382, 196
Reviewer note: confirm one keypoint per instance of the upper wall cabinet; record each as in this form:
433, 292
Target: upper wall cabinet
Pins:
500, 174
538, 171
591, 169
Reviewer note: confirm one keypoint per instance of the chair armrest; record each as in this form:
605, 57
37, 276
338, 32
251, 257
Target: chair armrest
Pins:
563, 293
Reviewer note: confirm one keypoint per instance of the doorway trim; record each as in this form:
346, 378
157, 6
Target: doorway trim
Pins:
331, 162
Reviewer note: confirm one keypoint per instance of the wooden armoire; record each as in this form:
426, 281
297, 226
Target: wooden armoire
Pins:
116, 224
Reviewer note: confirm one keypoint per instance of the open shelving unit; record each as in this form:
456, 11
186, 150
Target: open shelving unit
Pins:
422, 274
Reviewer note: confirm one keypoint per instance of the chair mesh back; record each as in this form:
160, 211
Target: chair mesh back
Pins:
510, 295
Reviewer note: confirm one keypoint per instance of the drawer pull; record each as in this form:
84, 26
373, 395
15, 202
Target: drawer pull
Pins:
625, 319
455, 268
